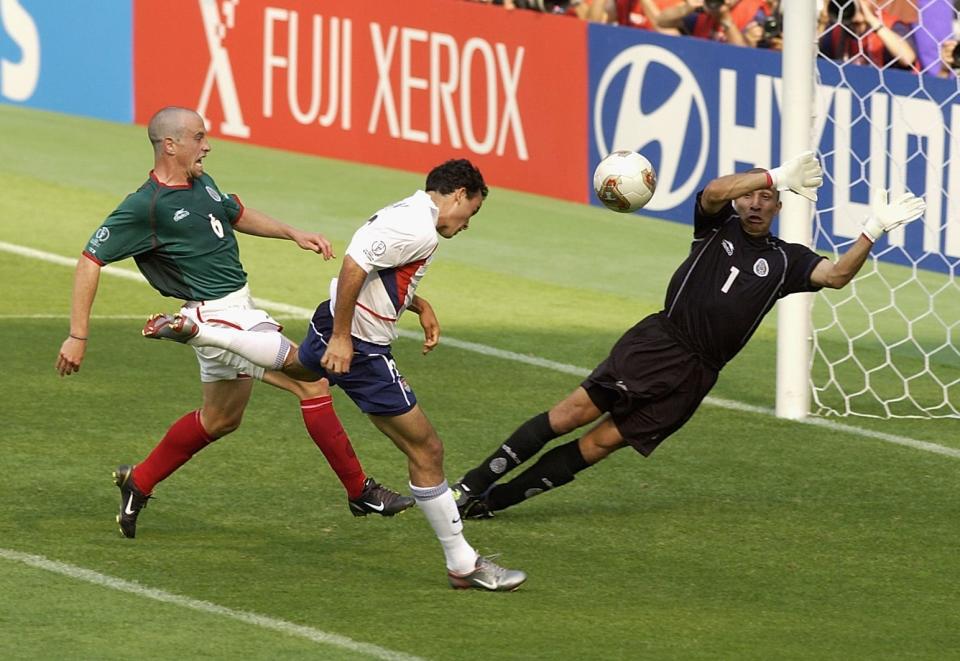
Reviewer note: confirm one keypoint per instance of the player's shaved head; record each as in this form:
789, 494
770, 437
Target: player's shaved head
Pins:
168, 123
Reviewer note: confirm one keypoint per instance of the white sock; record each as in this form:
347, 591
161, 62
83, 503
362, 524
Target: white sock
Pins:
438, 505
267, 350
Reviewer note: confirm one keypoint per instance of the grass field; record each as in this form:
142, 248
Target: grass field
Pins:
744, 536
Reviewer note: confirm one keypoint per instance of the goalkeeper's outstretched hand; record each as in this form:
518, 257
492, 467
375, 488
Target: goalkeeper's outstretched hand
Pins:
802, 174
885, 216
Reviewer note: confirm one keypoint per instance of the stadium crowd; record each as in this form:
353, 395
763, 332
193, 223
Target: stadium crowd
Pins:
914, 35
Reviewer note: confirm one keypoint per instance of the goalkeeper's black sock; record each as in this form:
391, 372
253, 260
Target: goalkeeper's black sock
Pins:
554, 469
526, 441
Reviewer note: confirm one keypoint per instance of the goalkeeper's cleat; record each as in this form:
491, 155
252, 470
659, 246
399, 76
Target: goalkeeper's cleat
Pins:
488, 575
170, 327
132, 500
378, 499
469, 504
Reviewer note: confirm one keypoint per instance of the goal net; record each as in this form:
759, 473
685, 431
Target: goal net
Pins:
888, 116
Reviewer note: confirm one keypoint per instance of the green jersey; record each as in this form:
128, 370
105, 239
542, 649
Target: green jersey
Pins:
181, 237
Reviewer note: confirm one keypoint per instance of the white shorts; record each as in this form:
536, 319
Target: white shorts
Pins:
235, 310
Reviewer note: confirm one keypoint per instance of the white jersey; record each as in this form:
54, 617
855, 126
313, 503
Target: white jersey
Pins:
394, 247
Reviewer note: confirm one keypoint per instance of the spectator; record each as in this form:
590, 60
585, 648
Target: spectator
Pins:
594, 11
857, 31
947, 60
768, 34
643, 14
727, 21
934, 26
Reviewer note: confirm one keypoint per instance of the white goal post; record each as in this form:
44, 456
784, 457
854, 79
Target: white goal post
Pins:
888, 345
796, 221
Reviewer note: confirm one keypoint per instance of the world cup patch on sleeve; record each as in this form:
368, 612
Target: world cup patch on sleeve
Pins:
100, 237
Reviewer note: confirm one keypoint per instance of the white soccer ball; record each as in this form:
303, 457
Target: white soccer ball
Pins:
624, 181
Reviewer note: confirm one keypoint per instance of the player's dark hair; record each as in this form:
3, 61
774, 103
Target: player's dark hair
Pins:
456, 173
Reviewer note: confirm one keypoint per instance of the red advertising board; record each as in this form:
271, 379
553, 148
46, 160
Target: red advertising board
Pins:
401, 84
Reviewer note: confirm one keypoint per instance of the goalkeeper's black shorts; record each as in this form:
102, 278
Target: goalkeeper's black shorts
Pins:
650, 383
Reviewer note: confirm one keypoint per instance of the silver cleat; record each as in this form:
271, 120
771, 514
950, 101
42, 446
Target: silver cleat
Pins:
488, 575
174, 327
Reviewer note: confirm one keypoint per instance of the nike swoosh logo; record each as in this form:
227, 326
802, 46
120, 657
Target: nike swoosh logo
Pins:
457, 520
127, 509
378, 507
489, 586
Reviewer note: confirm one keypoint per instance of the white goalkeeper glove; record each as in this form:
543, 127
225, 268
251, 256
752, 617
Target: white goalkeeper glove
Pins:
801, 174
885, 216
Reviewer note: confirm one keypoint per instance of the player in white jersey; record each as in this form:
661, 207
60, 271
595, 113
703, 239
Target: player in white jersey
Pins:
349, 339
394, 249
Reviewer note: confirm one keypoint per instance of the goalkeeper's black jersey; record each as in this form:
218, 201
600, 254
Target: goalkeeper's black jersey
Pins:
730, 280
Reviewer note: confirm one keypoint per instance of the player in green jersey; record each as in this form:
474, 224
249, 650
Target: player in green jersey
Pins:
179, 228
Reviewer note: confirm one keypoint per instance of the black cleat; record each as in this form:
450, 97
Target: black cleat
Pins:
378, 499
132, 501
470, 505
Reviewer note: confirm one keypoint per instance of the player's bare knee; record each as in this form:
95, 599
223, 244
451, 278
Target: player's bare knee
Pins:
427, 452
574, 411
311, 389
220, 423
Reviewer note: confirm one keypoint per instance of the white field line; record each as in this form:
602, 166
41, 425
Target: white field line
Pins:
289, 628
296, 311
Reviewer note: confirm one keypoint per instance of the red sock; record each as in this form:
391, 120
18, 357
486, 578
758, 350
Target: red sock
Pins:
327, 432
184, 439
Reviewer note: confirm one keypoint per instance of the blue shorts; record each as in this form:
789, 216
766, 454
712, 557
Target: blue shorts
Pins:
373, 382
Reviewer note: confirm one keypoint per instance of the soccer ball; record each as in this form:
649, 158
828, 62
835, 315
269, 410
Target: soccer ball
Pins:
624, 181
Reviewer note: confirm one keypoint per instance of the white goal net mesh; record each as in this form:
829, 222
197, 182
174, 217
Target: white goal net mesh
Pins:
888, 345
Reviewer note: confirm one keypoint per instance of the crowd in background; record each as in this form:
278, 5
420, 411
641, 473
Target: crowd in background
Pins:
915, 35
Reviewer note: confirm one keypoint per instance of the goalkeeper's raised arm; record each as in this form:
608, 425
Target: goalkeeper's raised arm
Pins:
801, 174
884, 216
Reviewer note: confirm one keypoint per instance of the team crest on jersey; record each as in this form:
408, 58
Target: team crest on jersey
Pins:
180, 215
100, 237
214, 194
727, 247
761, 268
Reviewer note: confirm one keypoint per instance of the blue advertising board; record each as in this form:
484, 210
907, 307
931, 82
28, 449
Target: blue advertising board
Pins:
699, 109
73, 57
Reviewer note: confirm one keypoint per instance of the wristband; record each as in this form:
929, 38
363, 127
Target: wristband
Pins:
77, 337
769, 179
873, 229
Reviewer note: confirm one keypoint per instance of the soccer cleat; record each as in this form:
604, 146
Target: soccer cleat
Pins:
488, 575
378, 499
170, 327
470, 505
132, 501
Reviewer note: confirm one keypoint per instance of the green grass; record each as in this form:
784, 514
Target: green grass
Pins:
743, 536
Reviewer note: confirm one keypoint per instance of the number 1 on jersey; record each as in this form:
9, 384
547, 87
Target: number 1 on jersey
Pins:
734, 272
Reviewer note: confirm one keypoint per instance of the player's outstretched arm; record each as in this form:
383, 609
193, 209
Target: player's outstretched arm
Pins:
257, 223
884, 216
86, 278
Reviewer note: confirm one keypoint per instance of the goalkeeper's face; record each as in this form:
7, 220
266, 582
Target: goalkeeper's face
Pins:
757, 211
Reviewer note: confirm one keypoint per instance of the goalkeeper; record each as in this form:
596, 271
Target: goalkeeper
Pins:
661, 369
